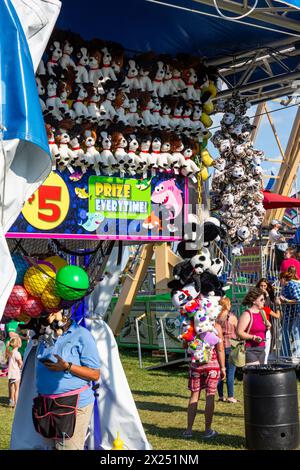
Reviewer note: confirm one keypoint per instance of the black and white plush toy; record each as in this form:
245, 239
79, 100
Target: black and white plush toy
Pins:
204, 233
237, 182
181, 296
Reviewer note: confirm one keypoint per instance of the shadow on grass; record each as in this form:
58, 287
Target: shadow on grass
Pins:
226, 440
160, 394
167, 408
4, 401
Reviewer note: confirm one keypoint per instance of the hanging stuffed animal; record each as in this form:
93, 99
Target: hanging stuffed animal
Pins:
131, 81
106, 69
80, 95
83, 61
53, 102
157, 76
66, 155
55, 54
177, 147
190, 169
78, 161
40, 83
145, 144
92, 155
119, 144
147, 106
66, 60
144, 62
107, 160
107, 105
133, 158
93, 104
165, 160
95, 73
121, 105
64, 90
54, 150
133, 117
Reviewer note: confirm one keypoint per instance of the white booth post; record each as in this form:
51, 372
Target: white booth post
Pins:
117, 412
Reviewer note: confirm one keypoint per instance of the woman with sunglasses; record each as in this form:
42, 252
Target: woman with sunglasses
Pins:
253, 325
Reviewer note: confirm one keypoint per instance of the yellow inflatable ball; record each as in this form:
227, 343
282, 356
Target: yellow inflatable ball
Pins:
57, 262
49, 299
38, 277
206, 120
206, 158
208, 107
204, 173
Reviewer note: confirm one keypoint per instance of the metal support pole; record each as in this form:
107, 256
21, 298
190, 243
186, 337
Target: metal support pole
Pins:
164, 339
138, 338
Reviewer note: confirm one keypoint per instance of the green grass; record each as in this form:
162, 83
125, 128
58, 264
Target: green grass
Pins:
161, 397
6, 415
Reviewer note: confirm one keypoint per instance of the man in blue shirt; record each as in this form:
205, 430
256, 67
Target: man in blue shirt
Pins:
70, 363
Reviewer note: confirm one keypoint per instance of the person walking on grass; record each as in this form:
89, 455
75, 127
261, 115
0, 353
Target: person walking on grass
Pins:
228, 322
205, 376
15, 363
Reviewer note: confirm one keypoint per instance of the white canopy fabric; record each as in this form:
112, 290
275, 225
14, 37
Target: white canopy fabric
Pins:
24, 165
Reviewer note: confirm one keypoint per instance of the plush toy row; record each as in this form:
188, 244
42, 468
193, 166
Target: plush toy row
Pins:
119, 150
237, 181
93, 84
81, 103
98, 61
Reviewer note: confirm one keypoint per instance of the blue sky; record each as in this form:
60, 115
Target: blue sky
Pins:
265, 139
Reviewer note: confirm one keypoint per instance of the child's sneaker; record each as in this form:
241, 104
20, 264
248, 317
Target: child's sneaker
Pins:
11, 403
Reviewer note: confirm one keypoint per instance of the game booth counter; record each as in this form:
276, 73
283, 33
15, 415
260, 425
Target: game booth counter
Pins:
125, 114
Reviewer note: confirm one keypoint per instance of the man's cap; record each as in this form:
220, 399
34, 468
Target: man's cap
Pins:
275, 222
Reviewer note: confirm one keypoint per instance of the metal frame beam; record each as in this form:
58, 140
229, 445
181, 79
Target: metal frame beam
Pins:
288, 169
281, 45
284, 82
269, 16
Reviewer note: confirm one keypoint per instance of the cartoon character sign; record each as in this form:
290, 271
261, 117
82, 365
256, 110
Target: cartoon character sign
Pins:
167, 194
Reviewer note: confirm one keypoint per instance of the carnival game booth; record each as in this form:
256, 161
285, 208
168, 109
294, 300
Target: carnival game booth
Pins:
127, 113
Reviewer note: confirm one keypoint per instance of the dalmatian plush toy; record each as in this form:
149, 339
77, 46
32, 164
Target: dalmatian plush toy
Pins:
237, 181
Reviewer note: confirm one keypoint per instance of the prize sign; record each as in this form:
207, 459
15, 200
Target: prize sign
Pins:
119, 198
85, 206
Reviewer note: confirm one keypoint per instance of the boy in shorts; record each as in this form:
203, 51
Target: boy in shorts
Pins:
206, 377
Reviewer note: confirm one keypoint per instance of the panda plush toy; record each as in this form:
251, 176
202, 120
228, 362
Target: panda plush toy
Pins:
210, 230
201, 262
185, 274
182, 296
211, 284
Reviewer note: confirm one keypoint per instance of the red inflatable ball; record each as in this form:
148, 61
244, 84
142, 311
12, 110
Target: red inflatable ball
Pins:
33, 307
18, 296
11, 311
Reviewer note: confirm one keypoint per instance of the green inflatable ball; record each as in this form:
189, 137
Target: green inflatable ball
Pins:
71, 283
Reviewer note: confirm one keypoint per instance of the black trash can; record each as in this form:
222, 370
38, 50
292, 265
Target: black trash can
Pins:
271, 407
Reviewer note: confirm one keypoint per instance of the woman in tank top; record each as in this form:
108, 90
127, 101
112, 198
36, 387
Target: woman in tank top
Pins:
252, 326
